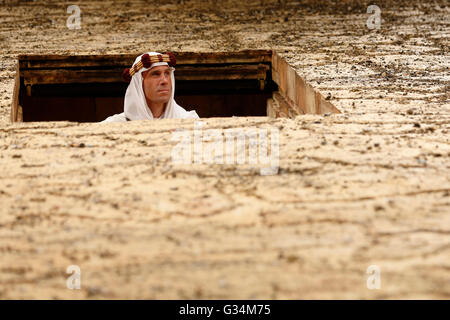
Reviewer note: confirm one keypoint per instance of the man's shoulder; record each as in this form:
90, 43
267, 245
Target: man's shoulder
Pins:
178, 112
120, 117
192, 115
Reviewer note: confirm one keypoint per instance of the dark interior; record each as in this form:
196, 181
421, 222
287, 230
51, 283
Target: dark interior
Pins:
93, 102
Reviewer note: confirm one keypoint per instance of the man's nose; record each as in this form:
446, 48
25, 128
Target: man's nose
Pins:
164, 78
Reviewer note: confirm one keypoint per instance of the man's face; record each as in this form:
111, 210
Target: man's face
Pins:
157, 84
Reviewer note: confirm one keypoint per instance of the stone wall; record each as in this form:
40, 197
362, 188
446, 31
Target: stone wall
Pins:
369, 186
297, 95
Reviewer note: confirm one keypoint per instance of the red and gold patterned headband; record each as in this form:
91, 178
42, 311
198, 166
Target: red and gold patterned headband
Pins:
146, 61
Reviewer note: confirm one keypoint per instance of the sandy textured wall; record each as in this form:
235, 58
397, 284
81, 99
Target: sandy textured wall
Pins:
367, 187
404, 64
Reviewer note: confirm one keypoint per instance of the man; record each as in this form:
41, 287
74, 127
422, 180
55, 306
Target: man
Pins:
151, 90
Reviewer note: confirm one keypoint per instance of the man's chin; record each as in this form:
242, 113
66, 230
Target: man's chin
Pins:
164, 96
163, 100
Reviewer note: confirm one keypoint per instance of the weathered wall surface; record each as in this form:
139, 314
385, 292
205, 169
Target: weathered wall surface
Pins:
402, 65
368, 187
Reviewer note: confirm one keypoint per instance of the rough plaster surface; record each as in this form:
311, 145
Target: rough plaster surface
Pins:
367, 187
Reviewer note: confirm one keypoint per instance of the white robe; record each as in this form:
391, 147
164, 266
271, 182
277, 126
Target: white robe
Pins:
135, 106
